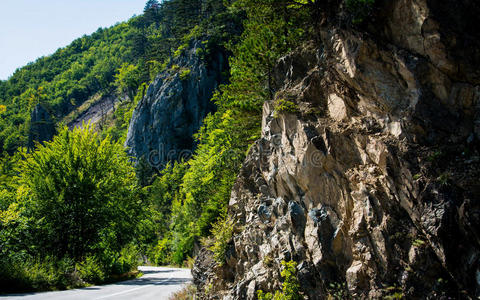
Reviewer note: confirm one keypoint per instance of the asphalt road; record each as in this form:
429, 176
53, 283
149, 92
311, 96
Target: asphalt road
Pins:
156, 283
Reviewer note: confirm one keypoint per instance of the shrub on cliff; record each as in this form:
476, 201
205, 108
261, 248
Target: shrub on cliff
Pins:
290, 286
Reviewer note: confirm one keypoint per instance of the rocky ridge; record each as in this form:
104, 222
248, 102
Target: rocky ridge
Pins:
174, 106
372, 183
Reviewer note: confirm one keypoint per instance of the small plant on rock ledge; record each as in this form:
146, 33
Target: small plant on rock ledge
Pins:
222, 232
282, 105
337, 291
393, 293
290, 286
184, 74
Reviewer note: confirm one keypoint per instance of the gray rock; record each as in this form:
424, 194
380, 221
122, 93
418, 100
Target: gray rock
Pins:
297, 215
318, 215
42, 127
174, 107
264, 213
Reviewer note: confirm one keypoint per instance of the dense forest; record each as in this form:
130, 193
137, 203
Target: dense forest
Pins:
75, 210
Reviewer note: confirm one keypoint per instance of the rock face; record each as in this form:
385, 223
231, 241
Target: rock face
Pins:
96, 113
174, 106
373, 185
42, 127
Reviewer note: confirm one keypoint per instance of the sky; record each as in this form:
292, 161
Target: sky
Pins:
33, 28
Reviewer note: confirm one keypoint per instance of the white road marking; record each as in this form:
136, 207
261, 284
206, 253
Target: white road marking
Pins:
131, 290
124, 292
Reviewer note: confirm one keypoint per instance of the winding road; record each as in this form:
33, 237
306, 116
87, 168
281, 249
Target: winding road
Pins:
156, 283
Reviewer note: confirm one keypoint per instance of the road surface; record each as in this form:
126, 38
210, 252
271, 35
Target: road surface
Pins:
156, 283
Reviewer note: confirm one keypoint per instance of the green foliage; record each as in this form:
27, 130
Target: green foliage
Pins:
268, 260
77, 196
290, 286
180, 50
337, 291
125, 260
443, 178
90, 270
121, 117
393, 293
80, 193
282, 105
160, 255
127, 79
184, 74
151, 4
270, 31
27, 274
120, 58
222, 232
74, 206
418, 243
63, 81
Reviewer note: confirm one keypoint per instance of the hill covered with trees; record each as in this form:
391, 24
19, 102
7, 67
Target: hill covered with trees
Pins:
48, 191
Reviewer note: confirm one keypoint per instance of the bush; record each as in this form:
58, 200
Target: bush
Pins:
90, 270
337, 291
24, 273
161, 252
79, 194
184, 74
182, 244
290, 286
222, 232
127, 260
282, 105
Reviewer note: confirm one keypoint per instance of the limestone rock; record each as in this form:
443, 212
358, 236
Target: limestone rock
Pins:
173, 108
379, 187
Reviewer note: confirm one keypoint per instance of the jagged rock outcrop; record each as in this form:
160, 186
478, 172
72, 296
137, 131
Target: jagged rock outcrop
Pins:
42, 126
174, 106
374, 181
96, 113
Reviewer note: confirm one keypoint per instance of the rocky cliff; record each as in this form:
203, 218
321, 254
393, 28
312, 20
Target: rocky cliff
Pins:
42, 126
370, 180
174, 106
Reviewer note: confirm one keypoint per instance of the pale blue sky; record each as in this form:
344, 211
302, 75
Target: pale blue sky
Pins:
33, 28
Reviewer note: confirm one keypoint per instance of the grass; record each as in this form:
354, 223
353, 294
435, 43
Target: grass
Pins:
187, 293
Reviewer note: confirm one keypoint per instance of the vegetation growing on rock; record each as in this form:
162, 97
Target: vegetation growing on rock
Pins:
365, 169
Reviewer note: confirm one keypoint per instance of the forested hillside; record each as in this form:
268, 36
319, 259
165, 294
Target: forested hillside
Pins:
64, 220
112, 60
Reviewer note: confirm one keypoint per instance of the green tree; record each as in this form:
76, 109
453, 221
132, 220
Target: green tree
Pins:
127, 79
80, 195
151, 4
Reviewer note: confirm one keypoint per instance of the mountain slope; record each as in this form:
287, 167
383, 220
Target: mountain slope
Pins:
116, 59
62, 81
